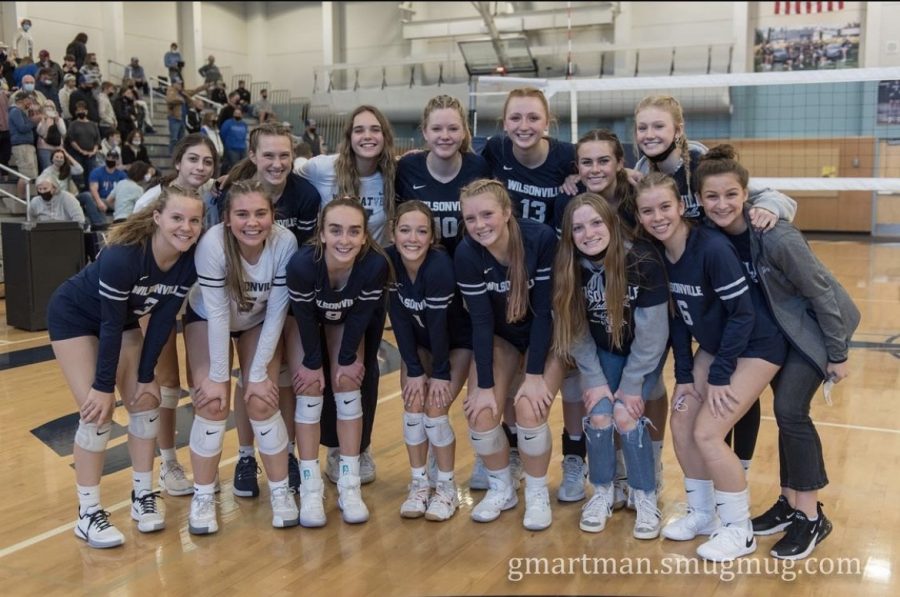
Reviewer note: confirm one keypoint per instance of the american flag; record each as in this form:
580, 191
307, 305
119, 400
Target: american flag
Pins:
807, 7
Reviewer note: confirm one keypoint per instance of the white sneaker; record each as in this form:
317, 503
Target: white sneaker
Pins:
145, 511
312, 503
696, 522
173, 480
499, 497
94, 527
538, 515
479, 478
366, 466
353, 509
443, 503
202, 519
516, 468
571, 489
284, 508
647, 522
597, 511
621, 494
417, 501
333, 464
728, 543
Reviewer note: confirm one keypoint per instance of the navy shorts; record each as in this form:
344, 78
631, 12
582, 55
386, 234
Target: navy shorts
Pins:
191, 316
769, 348
66, 319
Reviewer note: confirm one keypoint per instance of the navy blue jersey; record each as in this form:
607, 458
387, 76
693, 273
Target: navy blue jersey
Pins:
428, 312
712, 304
646, 279
315, 302
533, 190
484, 283
413, 181
123, 285
298, 207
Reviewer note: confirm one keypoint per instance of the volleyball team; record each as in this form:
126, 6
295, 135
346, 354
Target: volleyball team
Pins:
534, 268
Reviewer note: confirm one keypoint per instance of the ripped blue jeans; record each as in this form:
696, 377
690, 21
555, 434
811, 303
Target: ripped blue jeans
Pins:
637, 449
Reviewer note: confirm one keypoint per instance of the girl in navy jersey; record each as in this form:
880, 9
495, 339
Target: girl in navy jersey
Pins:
802, 300
336, 288
503, 270
611, 316
146, 269
296, 208
195, 160
242, 296
434, 336
715, 386
435, 177
660, 136
364, 168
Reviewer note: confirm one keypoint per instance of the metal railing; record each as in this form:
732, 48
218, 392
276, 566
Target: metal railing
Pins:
27, 200
164, 84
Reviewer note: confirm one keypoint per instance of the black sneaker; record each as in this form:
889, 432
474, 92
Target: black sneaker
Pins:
802, 536
245, 482
775, 519
293, 473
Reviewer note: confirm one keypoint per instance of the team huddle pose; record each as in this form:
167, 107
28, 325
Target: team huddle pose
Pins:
534, 267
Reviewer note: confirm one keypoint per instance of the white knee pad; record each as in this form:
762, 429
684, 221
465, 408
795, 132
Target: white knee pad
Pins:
439, 431
308, 410
207, 437
571, 387
490, 442
413, 431
534, 441
144, 424
271, 434
349, 405
92, 437
169, 397
284, 377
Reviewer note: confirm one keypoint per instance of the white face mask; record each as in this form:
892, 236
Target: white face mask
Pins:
147, 177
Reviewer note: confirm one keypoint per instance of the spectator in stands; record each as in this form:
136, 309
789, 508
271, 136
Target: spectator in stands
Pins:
134, 149
64, 167
5, 147
193, 119
175, 107
46, 87
112, 144
209, 71
312, 138
23, 120
85, 93
24, 42
234, 139
83, 140
65, 94
69, 67
28, 86
135, 72
54, 204
227, 111
243, 94
101, 182
263, 109
56, 71
26, 67
108, 121
172, 61
51, 131
126, 111
128, 190
77, 48
303, 153
90, 70
210, 129
7, 68
217, 93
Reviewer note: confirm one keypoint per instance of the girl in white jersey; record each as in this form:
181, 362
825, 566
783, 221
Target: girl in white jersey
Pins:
242, 294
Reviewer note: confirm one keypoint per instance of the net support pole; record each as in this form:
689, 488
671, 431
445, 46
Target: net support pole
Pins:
573, 120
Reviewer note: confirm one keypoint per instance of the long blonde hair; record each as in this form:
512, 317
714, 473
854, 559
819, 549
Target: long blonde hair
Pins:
446, 102
673, 107
140, 226
345, 165
517, 273
569, 307
234, 272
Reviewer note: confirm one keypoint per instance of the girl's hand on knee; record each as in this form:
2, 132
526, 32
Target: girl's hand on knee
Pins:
308, 382
354, 373
414, 391
681, 393
478, 401
439, 393
265, 390
762, 219
151, 388
98, 407
209, 392
534, 389
721, 400
634, 404
592, 396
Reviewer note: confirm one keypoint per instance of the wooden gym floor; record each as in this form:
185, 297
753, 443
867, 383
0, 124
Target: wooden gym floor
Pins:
391, 556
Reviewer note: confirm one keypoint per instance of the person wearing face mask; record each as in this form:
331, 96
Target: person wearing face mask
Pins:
85, 93
51, 131
27, 86
125, 107
90, 70
53, 204
172, 61
26, 67
234, 139
101, 181
83, 139
24, 42
312, 138
45, 86
65, 94
5, 147
108, 121
134, 149
56, 71
22, 123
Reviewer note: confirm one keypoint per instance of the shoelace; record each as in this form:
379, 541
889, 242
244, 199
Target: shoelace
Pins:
647, 512
538, 496
204, 503
281, 495
596, 505
246, 468
573, 471
148, 502
444, 496
100, 520
418, 491
176, 471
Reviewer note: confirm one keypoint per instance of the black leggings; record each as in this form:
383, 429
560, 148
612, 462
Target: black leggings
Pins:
745, 432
